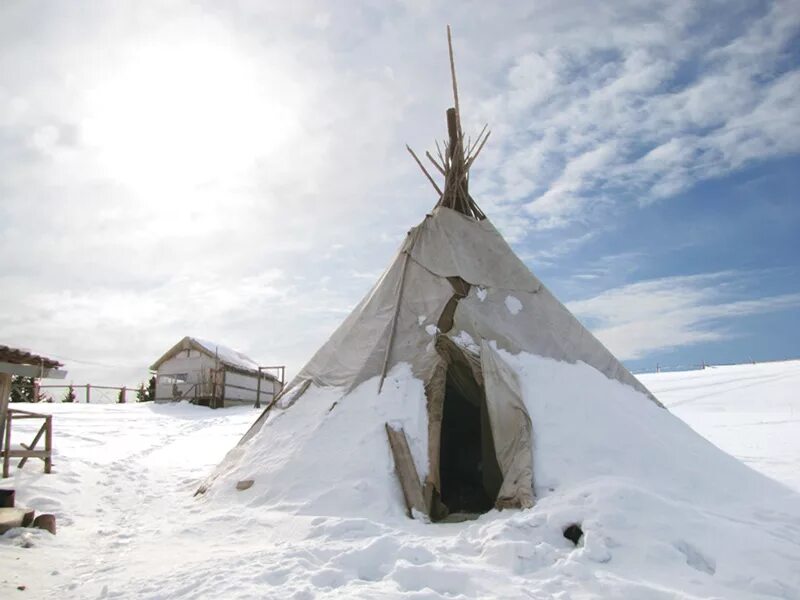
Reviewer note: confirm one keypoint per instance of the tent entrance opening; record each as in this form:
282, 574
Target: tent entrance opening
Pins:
469, 473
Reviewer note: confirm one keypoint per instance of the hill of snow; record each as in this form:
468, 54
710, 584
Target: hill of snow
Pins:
665, 514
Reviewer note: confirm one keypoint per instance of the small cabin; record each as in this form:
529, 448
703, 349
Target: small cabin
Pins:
212, 374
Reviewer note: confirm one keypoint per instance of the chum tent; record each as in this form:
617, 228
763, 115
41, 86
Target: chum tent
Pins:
453, 299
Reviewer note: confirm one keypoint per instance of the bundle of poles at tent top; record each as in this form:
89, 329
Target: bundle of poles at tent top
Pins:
454, 163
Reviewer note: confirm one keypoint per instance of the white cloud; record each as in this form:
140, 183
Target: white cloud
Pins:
232, 171
628, 107
637, 319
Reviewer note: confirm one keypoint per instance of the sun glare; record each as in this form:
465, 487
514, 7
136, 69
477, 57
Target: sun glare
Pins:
177, 115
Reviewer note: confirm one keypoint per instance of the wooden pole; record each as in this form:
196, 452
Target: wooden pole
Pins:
457, 109
48, 444
222, 395
424, 170
452, 131
258, 390
7, 446
5, 392
88, 393
394, 322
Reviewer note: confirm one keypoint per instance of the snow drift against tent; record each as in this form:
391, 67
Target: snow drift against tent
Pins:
452, 279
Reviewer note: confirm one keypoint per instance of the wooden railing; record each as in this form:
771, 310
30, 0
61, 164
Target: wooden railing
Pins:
28, 450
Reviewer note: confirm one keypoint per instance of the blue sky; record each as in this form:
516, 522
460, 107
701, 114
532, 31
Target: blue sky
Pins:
238, 173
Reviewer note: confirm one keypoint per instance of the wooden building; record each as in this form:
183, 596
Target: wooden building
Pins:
213, 375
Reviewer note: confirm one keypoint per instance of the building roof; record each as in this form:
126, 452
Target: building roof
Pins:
18, 356
226, 355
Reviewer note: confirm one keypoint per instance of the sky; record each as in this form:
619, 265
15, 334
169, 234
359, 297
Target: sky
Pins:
238, 173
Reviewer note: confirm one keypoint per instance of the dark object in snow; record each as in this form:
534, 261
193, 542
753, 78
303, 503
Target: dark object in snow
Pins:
46, 522
7, 498
27, 520
244, 484
573, 533
21, 588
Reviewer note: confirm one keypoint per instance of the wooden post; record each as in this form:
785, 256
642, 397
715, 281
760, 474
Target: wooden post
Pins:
5, 392
452, 131
258, 390
48, 443
88, 393
122, 396
7, 446
222, 394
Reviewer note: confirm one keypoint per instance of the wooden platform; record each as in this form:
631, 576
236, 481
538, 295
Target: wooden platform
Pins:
14, 517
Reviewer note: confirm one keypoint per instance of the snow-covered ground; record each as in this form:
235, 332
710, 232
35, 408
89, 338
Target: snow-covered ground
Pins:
750, 411
129, 526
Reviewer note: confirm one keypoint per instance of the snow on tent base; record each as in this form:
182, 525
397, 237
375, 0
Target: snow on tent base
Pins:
661, 509
441, 309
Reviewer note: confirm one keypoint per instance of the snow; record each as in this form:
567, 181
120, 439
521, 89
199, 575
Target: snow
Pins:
513, 304
664, 513
750, 411
229, 356
466, 341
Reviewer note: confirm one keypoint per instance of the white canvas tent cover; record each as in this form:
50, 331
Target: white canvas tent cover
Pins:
455, 282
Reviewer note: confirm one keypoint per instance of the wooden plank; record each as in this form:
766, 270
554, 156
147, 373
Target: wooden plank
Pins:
32, 444
14, 517
23, 453
20, 411
406, 471
24, 414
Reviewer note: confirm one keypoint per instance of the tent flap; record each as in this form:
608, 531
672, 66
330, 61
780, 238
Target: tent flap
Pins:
511, 430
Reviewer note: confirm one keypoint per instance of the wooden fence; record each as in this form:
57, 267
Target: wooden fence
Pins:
86, 392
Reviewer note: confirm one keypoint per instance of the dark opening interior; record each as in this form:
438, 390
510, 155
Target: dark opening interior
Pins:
469, 474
